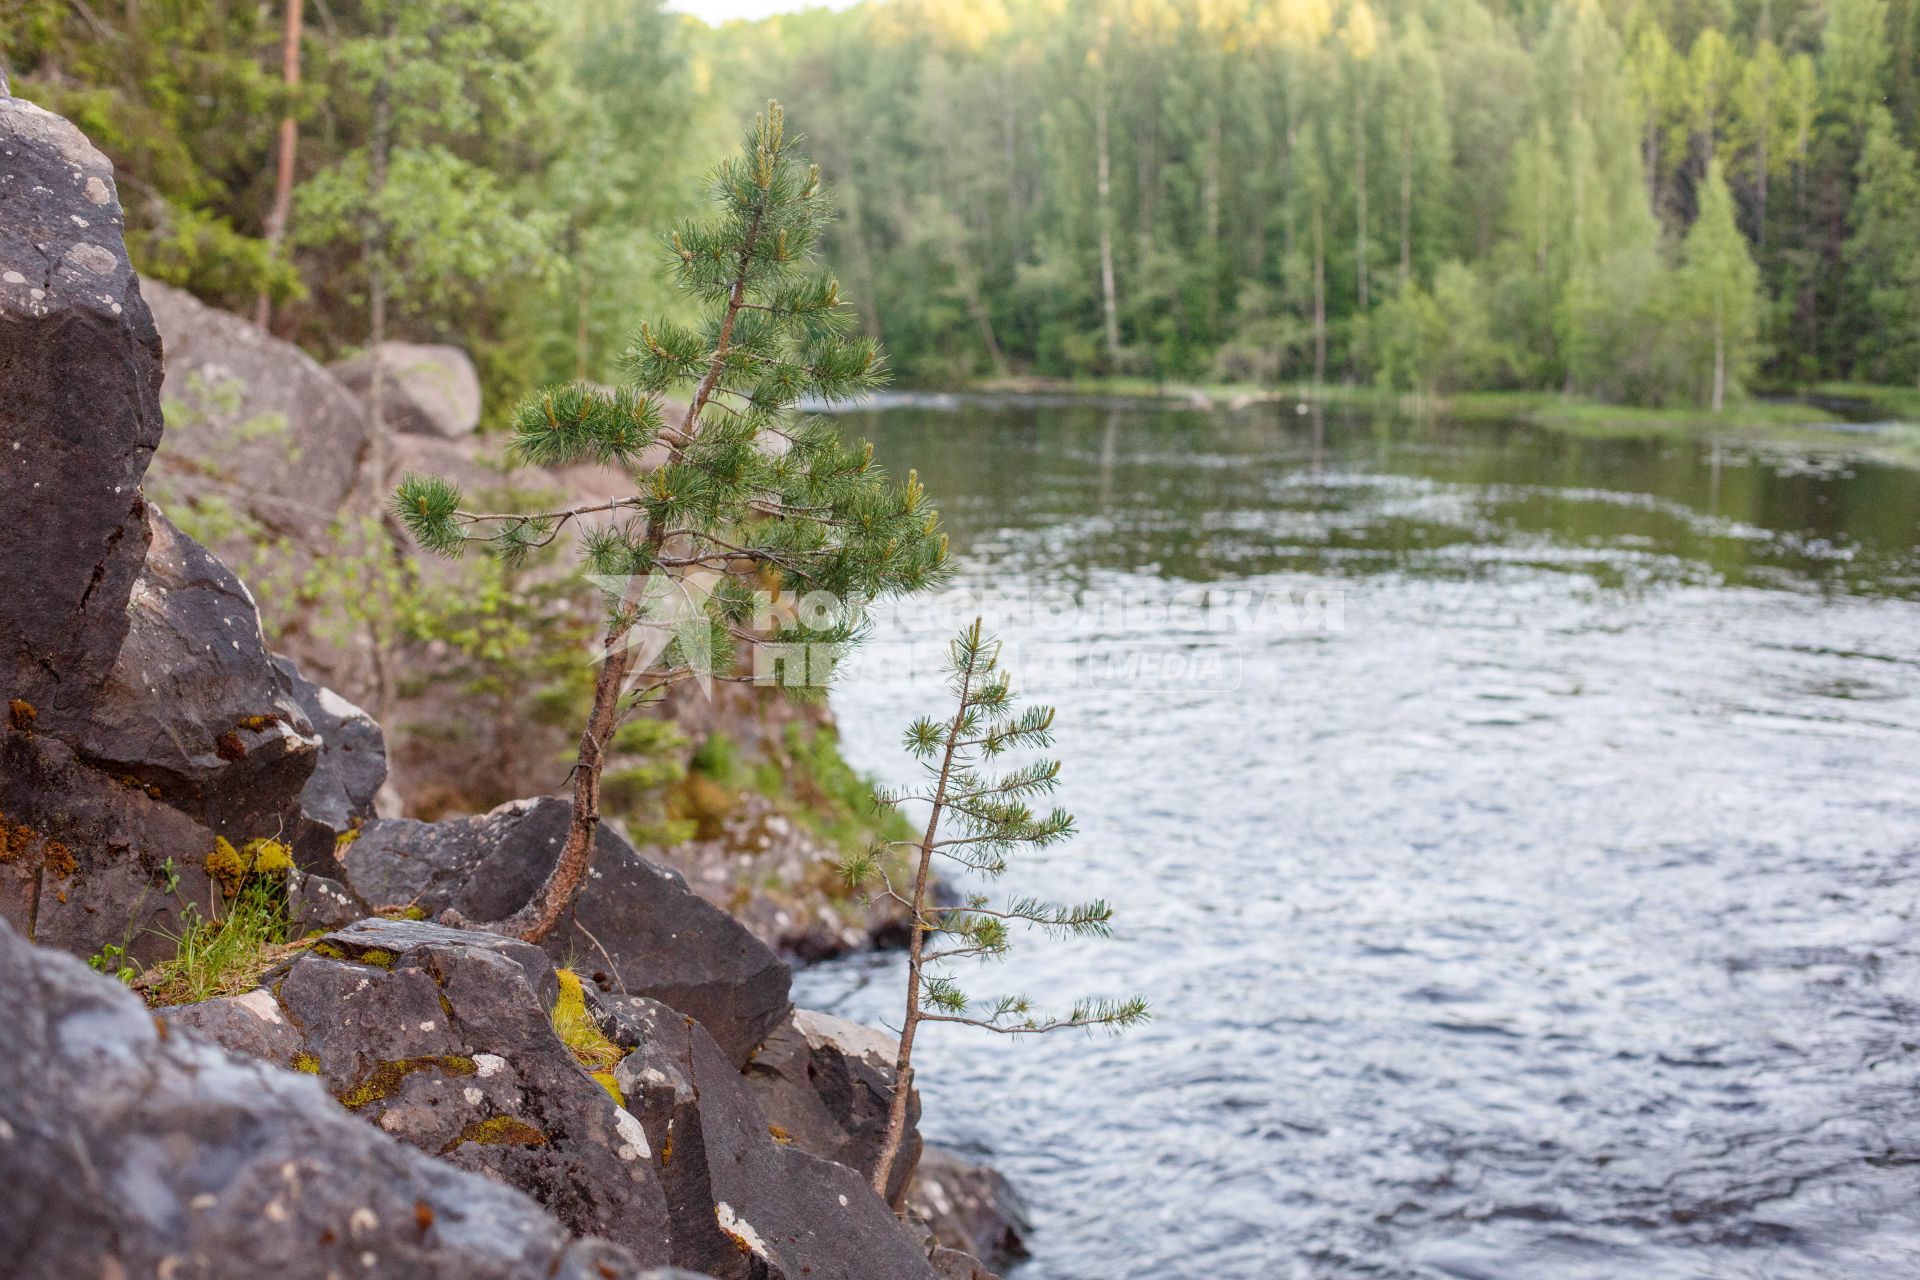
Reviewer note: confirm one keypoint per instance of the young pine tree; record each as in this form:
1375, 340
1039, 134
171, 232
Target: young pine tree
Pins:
978, 819
741, 494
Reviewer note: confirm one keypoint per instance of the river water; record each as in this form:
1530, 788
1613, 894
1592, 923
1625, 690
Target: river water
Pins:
1518, 836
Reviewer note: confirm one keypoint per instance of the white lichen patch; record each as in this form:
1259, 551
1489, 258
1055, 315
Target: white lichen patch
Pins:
488, 1065
13, 277
260, 1003
633, 1138
363, 1221
741, 1230
473, 1096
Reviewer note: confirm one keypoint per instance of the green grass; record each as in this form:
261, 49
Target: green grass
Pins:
225, 955
1901, 404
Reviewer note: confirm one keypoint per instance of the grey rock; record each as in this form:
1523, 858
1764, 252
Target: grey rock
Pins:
85, 862
194, 705
315, 902
253, 419
745, 1206
79, 418
443, 1038
130, 1149
969, 1207
338, 796
827, 1083
635, 924
429, 390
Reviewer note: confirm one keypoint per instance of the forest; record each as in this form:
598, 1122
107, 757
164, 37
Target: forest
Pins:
1679, 202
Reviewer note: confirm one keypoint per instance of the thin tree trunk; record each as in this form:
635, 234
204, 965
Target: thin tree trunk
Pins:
1360, 194
903, 1062
1760, 193
1406, 202
1719, 360
583, 300
1319, 299
376, 250
289, 140
534, 921
1109, 302
1210, 203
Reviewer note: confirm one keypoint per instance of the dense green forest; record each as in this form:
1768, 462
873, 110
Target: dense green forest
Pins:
1652, 203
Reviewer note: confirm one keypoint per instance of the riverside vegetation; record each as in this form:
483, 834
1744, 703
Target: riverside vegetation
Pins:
1648, 203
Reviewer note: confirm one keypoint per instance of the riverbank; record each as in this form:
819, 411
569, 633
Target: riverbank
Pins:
1859, 419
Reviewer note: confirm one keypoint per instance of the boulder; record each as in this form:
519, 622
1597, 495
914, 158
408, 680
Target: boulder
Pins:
195, 706
969, 1207
825, 1084
131, 1149
80, 416
338, 797
445, 1039
87, 858
253, 419
635, 926
428, 390
744, 1205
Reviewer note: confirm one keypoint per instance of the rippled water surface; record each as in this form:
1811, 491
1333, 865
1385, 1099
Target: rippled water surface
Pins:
1537, 901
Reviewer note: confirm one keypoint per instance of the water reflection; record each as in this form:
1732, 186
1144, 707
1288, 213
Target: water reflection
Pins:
1552, 917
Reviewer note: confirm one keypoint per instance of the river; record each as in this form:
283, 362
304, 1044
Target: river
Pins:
1517, 835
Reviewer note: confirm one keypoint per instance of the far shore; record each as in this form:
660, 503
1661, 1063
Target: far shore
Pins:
1861, 419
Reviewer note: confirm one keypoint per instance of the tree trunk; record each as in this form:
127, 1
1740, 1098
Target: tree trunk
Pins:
1319, 298
1760, 194
1210, 203
1406, 202
916, 944
289, 140
534, 921
1360, 194
376, 251
583, 301
1719, 360
1109, 302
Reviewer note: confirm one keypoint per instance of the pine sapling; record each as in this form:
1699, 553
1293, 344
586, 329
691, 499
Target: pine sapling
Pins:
978, 819
738, 500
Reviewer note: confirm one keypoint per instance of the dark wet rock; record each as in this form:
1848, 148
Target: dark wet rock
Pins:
195, 706
428, 390
444, 1039
825, 1084
129, 1148
745, 1206
969, 1207
79, 418
87, 857
315, 902
634, 923
338, 796
253, 420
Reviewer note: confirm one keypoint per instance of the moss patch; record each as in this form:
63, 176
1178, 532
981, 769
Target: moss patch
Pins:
306, 1064
499, 1131
387, 1077
21, 715
378, 957
577, 1029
